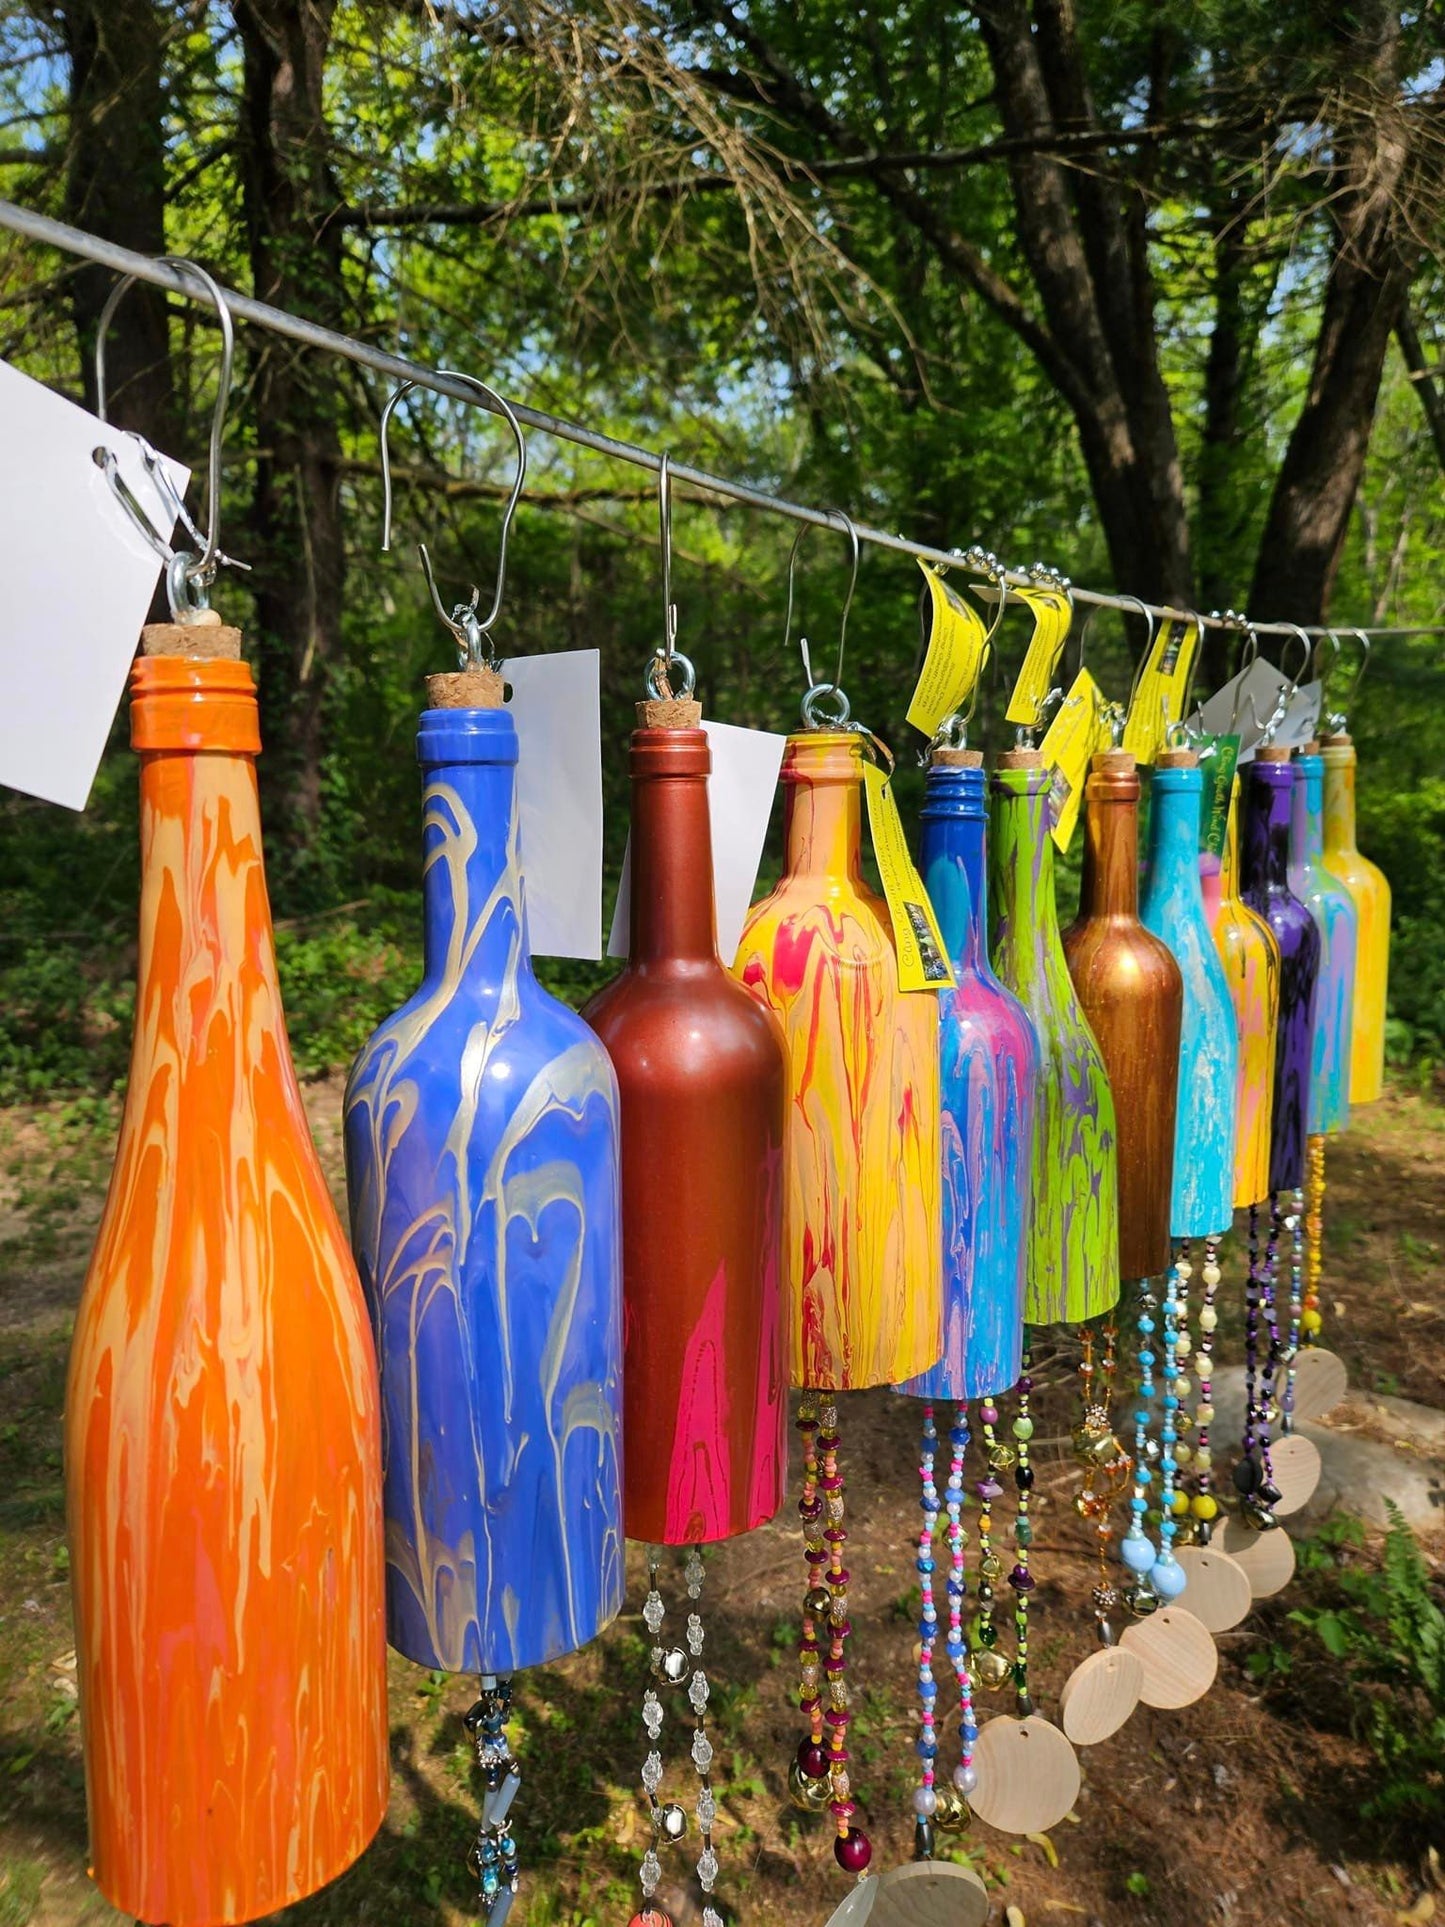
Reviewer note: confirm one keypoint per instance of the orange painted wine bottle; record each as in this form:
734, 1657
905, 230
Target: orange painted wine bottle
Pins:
222, 1435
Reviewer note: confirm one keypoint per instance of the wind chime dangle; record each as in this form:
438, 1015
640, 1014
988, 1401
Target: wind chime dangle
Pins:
1273, 1479
700, 1071
480, 1130
863, 1240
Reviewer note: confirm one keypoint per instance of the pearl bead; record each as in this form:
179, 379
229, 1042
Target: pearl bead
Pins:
965, 1778
925, 1802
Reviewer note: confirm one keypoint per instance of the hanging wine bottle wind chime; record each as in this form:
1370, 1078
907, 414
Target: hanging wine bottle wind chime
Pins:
863, 1244
1275, 1477
480, 1130
989, 1057
222, 1434
700, 1068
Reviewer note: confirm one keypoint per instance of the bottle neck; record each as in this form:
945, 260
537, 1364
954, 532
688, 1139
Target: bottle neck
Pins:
1109, 886
823, 778
672, 913
1264, 844
953, 862
473, 906
1174, 824
1229, 862
1021, 855
1338, 760
1306, 831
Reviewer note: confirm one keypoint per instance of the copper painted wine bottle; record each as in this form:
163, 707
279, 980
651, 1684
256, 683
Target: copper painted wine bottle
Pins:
1249, 951
864, 1253
482, 1162
1333, 908
1264, 880
222, 1432
1173, 908
1073, 1267
1368, 885
700, 1069
1132, 994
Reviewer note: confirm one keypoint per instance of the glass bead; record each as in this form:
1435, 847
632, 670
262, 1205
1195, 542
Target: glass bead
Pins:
706, 1809
697, 1691
695, 1634
652, 1771
707, 1868
1208, 1319
651, 1713
711, 1917
649, 1873
701, 1751
653, 1613
1022, 1427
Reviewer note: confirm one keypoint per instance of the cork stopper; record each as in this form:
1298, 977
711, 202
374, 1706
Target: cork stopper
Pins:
1018, 759
465, 689
672, 712
1113, 762
1336, 736
205, 637
1176, 759
957, 759
1273, 753
1311, 748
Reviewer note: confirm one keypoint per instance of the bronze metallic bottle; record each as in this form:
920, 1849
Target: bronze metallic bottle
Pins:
700, 1069
1133, 995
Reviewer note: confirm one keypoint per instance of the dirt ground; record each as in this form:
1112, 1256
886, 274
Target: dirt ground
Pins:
1244, 1808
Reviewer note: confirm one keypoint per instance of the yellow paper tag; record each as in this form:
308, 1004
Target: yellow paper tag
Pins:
922, 956
1051, 624
957, 643
1070, 740
1159, 698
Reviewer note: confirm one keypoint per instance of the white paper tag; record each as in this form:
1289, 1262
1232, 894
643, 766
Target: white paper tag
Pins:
745, 764
556, 705
1243, 706
77, 576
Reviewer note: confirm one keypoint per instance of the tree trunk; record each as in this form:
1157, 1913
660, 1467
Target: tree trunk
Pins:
1221, 516
115, 185
1422, 379
295, 248
1377, 251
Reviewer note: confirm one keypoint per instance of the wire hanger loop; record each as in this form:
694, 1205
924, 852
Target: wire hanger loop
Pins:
818, 694
471, 631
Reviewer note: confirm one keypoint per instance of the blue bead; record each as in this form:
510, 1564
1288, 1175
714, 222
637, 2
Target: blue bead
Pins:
1137, 1553
968, 1731
928, 1502
923, 1565
1169, 1578
1146, 1358
956, 1649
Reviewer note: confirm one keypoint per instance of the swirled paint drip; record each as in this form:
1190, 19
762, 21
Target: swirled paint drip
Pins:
862, 1216
1368, 885
1250, 955
1074, 1244
1264, 874
989, 1058
222, 1441
481, 1155
1201, 1203
1333, 908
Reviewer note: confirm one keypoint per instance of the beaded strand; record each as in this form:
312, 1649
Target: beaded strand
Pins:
1311, 1318
698, 1693
1167, 1578
1020, 1578
990, 1668
925, 1800
965, 1775
852, 1848
1294, 1223
1136, 1549
1098, 1451
493, 1857
808, 1774
1204, 1507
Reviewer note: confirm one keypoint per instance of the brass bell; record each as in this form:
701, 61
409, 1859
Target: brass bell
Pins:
816, 1601
809, 1796
953, 1813
1141, 1600
991, 1566
1001, 1458
990, 1669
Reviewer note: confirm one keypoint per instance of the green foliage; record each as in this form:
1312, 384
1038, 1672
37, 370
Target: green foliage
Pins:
1387, 1640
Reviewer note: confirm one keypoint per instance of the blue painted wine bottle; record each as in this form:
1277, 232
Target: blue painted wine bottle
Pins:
1333, 909
989, 1059
1203, 1191
482, 1164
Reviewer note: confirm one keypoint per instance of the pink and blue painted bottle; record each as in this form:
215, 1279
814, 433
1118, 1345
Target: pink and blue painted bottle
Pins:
1334, 912
1264, 877
1202, 1199
989, 1060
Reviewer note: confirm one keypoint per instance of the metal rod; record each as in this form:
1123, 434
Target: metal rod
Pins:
90, 247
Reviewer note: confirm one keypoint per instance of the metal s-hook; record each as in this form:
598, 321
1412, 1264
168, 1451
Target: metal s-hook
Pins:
1148, 615
1361, 636
663, 684
818, 693
471, 631
188, 577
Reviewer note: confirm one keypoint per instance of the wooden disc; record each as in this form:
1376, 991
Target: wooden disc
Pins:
1295, 1463
930, 1893
1100, 1694
1320, 1382
1028, 1775
1219, 1593
856, 1905
1179, 1657
1266, 1558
